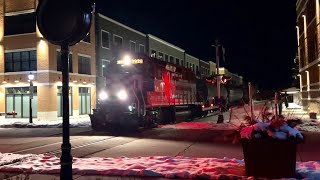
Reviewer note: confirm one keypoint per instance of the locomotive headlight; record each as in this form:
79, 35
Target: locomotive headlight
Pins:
122, 95
103, 95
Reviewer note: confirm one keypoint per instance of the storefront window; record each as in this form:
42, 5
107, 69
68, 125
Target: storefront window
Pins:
59, 100
84, 100
17, 100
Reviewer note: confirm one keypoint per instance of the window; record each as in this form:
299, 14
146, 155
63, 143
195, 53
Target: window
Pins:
153, 53
177, 61
59, 67
166, 57
141, 48
171, 59
17, 100
59, 101
161, 57
84, 65
20, 24
105, 65
84, 100
21, 61
105, 42
87, 38
117, 41
132, 46
182, 63
187, 65
197, 69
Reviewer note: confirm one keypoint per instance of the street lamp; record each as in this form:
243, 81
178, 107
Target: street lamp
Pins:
31, 78
218, 75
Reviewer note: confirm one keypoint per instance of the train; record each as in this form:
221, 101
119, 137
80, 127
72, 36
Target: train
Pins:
142, 91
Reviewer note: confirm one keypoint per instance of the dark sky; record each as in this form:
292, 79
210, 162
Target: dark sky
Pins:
259, 36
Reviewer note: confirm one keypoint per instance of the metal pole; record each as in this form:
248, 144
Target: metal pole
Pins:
30, 101
66, 158
275, 105
220, 115
250, 101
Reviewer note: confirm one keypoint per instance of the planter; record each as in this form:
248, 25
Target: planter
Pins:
270, 158
313, 115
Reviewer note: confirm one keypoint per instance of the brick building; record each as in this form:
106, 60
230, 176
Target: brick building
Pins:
308, 34
24, 51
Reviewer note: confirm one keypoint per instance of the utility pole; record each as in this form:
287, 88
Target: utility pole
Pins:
220, 115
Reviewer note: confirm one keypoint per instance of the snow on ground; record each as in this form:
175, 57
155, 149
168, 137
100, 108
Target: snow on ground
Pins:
24, 123
201, 125
154, 166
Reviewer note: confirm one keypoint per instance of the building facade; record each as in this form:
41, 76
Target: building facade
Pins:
164, 51
23, 51
192, 63
114, 40
204, 69
308, 36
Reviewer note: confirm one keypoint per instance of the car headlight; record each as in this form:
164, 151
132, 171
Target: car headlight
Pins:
122, 95
103, 96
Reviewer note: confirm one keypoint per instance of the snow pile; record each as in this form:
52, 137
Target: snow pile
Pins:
309, 125
24, 123
9, 158
310, 170
201, 125
153, 166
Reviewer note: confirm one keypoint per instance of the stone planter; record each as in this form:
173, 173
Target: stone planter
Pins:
270, 158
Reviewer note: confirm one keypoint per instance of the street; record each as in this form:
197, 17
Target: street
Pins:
151, 142
147, 142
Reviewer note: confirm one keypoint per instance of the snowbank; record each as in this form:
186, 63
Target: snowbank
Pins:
24, 123
154, 166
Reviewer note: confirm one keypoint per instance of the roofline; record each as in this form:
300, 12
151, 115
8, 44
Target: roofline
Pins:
191, 56
122, 25
204, 61
165, 42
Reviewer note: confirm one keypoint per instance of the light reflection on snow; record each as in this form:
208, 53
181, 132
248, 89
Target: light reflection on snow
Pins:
153, 166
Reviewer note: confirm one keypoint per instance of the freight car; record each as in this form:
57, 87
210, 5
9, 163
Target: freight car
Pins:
143, 91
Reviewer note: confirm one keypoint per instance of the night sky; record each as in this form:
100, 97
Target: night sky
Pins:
259, 36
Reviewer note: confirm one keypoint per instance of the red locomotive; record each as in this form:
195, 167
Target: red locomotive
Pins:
143, 91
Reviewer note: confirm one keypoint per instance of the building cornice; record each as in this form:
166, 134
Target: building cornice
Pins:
191, 56
44, 72
165, 42
120, 24
19, 12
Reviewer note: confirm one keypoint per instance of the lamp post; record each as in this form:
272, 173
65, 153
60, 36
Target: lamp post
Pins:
30, 78
65, 28
220, 115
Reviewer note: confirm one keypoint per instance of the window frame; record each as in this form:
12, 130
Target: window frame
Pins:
103, 31
85, 65
115, 35
103, 60
9, 65
144, 48
135, 46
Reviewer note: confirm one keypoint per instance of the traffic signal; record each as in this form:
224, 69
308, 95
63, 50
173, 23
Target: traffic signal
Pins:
226, 79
